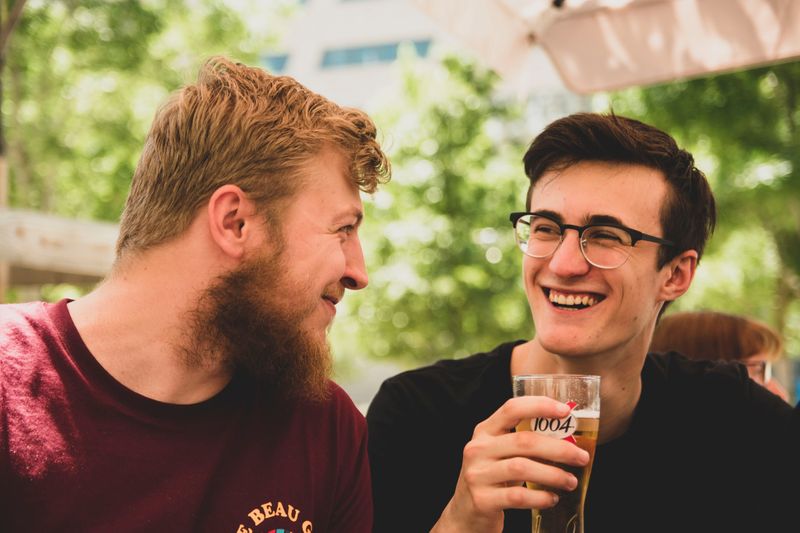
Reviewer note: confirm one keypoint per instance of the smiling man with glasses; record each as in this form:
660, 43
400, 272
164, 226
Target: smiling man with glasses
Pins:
443, 451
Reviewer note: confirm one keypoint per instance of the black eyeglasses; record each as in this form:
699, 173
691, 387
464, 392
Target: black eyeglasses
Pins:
602, 245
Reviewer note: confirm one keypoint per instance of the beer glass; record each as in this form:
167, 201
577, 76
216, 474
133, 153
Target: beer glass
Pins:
582, 394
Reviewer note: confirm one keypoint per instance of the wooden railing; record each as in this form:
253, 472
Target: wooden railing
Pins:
40, 248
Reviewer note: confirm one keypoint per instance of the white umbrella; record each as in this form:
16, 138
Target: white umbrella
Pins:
600, 45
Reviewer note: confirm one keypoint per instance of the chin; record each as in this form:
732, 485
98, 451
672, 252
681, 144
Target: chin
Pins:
566, 351
566, 342
320, 335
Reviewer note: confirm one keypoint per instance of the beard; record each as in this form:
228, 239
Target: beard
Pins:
250, 322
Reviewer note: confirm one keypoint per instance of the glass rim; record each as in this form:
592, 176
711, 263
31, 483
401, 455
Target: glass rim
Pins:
542, 377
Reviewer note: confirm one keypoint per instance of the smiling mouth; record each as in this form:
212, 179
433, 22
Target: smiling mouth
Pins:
574, 301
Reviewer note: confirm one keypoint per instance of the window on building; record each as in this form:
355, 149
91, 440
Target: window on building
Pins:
359, 55
275, 63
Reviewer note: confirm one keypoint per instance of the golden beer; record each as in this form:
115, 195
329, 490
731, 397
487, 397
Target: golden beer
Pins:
567, 515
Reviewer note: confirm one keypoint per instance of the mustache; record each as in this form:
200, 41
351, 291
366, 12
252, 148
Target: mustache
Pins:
334, 293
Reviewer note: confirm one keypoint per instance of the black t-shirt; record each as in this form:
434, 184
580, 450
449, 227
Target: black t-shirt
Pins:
707, 449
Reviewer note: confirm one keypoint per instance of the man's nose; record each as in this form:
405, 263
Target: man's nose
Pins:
568, 259
355, 271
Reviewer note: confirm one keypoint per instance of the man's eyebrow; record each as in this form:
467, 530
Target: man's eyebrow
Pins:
604, 219
550, 214
354, 212
592, 219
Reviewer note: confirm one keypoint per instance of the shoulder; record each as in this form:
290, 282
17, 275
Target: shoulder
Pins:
678, 371
342, 404
26, 330
18, 322
336, 406
451, 377
710, 384
336, 415
450, 384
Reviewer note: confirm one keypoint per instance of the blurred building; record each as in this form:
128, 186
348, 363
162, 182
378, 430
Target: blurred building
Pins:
346, 50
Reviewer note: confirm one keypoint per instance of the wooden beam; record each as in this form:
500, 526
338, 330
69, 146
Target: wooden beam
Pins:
50, 243
5, 268
5, 280
21, 277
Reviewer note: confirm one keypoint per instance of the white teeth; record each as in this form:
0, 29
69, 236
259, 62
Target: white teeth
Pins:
572, 299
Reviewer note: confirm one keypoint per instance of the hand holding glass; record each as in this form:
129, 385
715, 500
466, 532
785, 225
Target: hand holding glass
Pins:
582, 394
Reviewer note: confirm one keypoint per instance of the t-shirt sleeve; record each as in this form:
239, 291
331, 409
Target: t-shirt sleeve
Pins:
353, 505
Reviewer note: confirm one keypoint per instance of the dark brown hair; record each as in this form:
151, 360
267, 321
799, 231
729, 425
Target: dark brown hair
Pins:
238, 125
714, 335
688, 215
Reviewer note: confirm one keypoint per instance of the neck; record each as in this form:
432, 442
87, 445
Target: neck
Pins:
620, 379
136, 325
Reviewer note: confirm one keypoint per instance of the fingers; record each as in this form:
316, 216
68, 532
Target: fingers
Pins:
516, 470
522, 456
516, 497
530, 444
514, 410
496, 463
485, 445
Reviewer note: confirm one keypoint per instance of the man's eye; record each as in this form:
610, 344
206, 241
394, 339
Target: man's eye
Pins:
545, 229
606, 236
347, 229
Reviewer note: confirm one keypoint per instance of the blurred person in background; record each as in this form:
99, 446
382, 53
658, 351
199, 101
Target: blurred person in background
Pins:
190, 390
716, 335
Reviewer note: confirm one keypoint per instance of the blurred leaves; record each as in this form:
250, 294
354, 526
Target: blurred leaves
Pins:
83, 80
445, 272
744, 129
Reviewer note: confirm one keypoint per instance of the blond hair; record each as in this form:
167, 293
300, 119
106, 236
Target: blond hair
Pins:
238, 125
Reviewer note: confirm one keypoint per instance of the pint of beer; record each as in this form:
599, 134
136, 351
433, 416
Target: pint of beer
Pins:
582, 394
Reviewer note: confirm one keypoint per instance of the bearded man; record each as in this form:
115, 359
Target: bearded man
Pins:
190, 390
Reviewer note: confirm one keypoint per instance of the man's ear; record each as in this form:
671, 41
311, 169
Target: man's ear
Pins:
230, 220
680, 272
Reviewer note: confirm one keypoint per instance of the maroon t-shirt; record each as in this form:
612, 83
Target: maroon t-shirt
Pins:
81, 452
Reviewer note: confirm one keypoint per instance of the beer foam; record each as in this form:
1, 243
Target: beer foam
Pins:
586, 413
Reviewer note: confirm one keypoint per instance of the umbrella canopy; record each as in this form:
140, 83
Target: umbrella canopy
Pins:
600, 45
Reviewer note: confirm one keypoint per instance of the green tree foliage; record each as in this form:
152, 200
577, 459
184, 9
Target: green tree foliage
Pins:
83, 80
745, 128
445, 272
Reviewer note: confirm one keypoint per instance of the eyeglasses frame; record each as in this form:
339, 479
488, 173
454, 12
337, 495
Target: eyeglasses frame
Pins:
765, 368
635, 235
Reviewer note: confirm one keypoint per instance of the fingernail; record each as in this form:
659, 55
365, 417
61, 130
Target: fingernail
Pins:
572, 482
555, 499
585, 456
